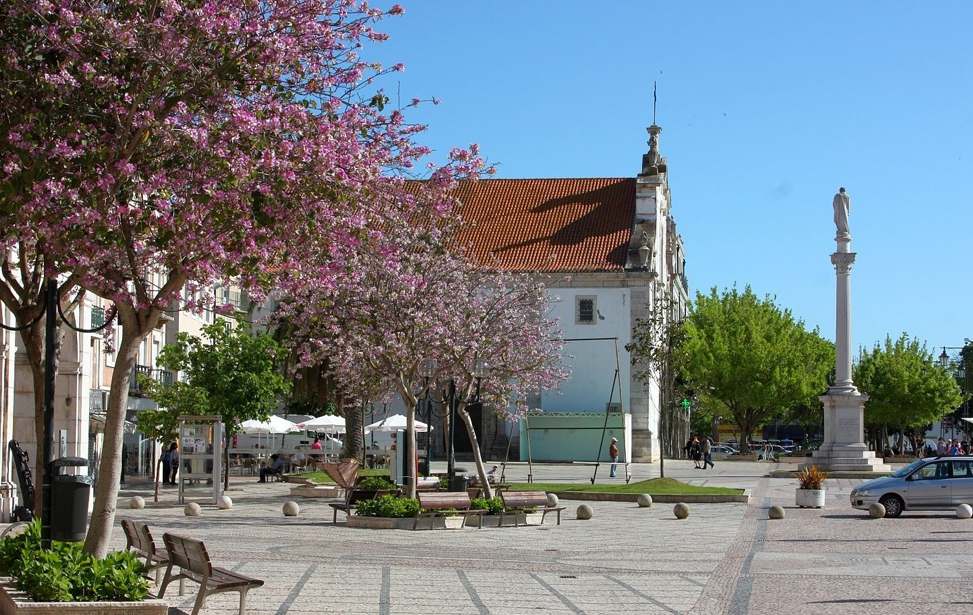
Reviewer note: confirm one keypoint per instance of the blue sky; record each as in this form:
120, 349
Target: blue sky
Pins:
767, 108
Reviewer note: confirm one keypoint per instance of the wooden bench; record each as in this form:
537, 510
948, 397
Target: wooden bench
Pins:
139, 539
194, 564
442, 503
527, 501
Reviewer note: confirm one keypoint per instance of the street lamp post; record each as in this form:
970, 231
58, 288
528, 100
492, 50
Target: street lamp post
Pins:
427, 369
481, 369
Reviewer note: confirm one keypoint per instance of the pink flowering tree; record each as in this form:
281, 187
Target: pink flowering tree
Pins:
155, 146
415, 300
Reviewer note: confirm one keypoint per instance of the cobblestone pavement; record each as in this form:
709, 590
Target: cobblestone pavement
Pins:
723, 559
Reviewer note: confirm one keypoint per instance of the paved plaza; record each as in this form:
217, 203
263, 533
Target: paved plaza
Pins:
723, 559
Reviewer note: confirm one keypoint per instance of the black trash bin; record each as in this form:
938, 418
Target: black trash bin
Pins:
69, 500
459, 481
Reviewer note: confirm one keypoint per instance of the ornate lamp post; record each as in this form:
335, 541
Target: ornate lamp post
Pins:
481, 370
427, 369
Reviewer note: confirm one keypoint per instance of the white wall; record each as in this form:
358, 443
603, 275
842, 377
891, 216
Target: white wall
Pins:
594, 362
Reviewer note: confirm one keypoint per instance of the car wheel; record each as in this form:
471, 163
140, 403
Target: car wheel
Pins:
893, 505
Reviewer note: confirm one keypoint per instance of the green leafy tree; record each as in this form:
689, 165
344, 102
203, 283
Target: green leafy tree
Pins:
752, 357
907, 388
229, 372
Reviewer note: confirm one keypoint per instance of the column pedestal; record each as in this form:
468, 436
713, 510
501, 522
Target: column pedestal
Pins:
843, 449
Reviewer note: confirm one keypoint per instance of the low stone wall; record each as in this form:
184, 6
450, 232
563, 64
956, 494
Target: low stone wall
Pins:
15, 602
742, 498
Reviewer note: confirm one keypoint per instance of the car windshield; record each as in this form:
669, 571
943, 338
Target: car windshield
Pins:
909, 469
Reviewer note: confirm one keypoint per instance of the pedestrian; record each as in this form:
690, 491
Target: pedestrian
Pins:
274, 469
688, 448
173, 465
954, 448
707, 453
613, 453
941, 447
965, 446
696, 452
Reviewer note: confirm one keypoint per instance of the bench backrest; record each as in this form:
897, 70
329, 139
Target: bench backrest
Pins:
188, 553
523, 499
357, 495
138, 538
432, 500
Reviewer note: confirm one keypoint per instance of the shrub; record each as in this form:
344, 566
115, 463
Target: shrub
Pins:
443, 482
375, 483
493, 506
65, 573
388, 506
812, 477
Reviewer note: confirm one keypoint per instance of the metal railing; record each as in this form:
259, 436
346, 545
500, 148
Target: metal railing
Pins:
163, 376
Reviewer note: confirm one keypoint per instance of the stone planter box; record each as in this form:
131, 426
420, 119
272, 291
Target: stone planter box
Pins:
406, 523
809, 498
15, 602
318, 491
508, 520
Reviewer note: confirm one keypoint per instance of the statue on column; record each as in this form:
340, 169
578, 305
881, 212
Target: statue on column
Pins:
842, 207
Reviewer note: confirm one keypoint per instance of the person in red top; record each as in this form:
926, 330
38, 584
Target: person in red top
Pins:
316, 447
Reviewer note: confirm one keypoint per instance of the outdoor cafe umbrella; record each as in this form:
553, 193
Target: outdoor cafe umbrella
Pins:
396, 422
272, 426
328, 423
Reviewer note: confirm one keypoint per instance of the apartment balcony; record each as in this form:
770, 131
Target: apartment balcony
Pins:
163, 376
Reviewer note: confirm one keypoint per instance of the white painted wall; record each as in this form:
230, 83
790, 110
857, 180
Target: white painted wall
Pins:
594, 362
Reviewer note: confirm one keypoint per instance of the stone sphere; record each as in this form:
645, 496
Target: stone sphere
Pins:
964, 511
193, 510
876, 510
681, 510
585, 512
136, 502
552, 500
291, 509
644, 500
225, 503
775, 512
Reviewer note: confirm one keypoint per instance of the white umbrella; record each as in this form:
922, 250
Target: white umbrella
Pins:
396, 422
272, 426
329, 423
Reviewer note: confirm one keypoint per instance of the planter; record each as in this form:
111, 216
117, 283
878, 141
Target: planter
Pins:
15, 602
405, 523
809, 498
509, 520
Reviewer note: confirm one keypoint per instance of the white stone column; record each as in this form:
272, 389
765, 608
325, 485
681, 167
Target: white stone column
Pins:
8, 488
844, 447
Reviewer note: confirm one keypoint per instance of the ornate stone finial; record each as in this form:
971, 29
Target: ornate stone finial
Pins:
651, 161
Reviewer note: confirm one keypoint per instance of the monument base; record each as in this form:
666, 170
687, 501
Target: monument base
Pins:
843, 449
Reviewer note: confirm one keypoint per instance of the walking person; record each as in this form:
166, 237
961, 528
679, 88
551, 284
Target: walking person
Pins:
707, 453
170, 464
613, 453
696, 451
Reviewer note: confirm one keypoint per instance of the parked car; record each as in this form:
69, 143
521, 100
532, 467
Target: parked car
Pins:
724, 449
933, 483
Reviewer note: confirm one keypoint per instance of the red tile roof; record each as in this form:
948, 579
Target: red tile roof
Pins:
555, 225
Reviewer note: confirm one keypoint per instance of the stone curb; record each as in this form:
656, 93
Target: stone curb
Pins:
861, 475
743, 498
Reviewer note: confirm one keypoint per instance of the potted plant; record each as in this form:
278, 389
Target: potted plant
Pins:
63, 579
810, 491
385, 512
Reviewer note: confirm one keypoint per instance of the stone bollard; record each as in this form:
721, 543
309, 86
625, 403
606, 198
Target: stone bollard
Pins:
964, 511
193, 510
552, 500
225, 503
644, 500
291, 509
775, 512
585, 512
681, 510
136, 502
876, 510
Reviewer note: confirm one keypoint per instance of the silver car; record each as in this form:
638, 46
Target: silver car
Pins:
933, 483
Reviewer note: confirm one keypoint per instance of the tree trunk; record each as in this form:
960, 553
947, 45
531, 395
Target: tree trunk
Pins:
477, 457
354, 445
109, 473
33, 339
